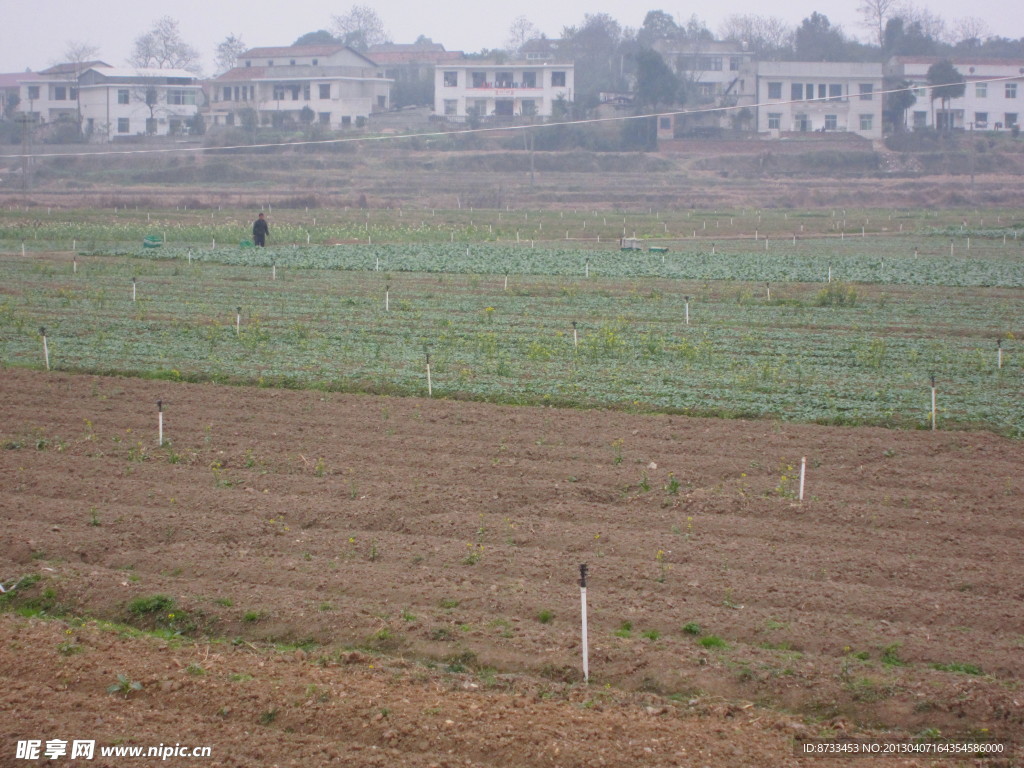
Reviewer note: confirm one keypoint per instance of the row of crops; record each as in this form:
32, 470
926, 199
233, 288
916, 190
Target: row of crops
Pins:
813, 261
859, 350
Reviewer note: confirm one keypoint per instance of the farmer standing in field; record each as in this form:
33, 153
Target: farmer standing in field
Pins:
260, 230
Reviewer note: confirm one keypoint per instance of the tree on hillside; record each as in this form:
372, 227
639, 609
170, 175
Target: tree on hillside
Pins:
227, 53
817, 40
360, 28
875, 15
969, 32
767, 37
595, 47
79, 55
658, 27
163, 48
521, 31
656, 83
319, 37
899, 99
903, 39
946, 83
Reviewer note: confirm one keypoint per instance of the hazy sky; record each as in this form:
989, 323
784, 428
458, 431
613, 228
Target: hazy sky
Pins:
34, 33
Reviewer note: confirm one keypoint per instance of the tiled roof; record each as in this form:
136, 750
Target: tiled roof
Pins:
322, 49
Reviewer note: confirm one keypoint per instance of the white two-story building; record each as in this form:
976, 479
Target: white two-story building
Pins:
993, 94
125, 101
826, 97
331, 85
485, 89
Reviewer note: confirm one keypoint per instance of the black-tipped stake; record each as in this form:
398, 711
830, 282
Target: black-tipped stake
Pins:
238, 321
575, 337
46, 349
133, 289
160, 422
768, 290
933, 402
506, 280
686, 299
999, 353
583, 616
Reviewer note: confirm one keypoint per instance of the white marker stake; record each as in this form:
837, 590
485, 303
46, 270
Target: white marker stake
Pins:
586, 271
687, 300
933, 402
190, 257
430, 386
768, 288
238, 322
160, 422
273, 271
387, 298
74, 266
803, 475
999, 353
583, 616
46, 349
575, 338
133, 289
506, 281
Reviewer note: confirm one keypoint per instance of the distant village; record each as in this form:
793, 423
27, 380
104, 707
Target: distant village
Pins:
694, 85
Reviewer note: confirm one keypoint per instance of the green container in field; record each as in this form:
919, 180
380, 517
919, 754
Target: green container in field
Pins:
152, 241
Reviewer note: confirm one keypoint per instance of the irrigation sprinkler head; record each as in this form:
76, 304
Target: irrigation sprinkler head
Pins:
133, 281
238, 310
686, 299
159, 405
933, 381
42, 331
574, 325
583, 575
999, 343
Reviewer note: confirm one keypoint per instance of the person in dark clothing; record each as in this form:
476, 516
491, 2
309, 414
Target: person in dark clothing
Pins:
260, 230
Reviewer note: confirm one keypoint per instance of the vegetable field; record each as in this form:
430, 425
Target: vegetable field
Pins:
846, 330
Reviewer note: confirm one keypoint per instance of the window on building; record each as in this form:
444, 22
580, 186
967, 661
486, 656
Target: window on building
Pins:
346, 121
803, 123
867, 91
774, 121
324, 118
706, 90
1010, 119
735, 62
451, 107
503, 80
835, 91
1011, 90
123, 96
305, 92
179, 97
981, 90
270, 62
529, 79
558, 79
248, 63
279, 92
60, 93
664, 123
529, 108
709, 63
315, 63
292, 62
479, 79
73, 93
774, 90
382, 102
33, 91
451, 79
831, 122
867, 122
981, 119
123, 125
919, 119
796, 92
324, 90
